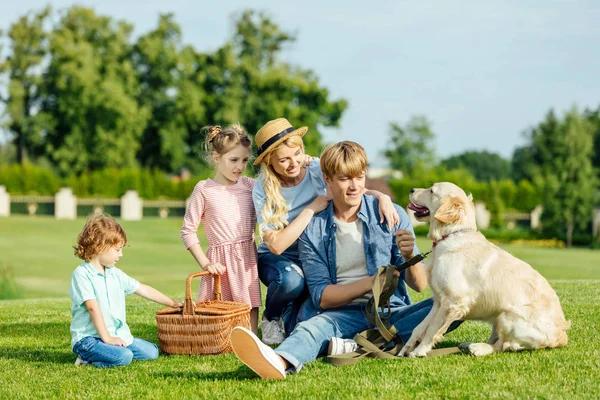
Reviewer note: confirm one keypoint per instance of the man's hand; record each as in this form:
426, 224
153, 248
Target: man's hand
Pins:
382, 281
406, 243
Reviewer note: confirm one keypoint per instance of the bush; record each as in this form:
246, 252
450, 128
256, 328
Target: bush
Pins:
29, 179
8, 287
504, 194
109, 183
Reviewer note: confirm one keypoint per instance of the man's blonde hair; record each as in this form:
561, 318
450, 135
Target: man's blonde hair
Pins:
346, 158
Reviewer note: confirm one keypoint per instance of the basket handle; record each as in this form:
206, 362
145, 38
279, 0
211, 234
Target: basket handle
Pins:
188, 306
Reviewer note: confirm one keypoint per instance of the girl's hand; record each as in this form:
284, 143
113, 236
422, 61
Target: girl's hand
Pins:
215, 268
387, 212
318, 204
115, 341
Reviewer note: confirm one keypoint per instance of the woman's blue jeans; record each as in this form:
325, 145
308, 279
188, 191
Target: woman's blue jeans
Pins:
286, 291
93, 350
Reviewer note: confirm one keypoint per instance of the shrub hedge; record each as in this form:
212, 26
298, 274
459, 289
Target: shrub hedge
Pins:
109, 183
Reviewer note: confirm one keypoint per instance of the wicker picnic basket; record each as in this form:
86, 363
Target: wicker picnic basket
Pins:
202, 327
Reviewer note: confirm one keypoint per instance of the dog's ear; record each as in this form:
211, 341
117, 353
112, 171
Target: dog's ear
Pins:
470, 197
450, 209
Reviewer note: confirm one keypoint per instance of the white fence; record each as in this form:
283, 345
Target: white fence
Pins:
129, 207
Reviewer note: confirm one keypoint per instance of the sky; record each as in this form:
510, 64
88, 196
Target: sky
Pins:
481, 72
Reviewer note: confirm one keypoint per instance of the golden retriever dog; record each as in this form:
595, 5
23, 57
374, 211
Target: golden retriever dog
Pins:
472, 279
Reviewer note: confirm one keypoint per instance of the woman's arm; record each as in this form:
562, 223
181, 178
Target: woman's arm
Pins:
279, 241
387, 211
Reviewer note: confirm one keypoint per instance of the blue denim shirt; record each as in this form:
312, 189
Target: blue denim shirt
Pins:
317, 249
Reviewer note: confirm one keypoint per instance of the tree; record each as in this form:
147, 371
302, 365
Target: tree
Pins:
83, 96
23, 66
484, 166
93, 118
564, 150
523, 165
594, 117
412, 145
164, 69
255, 86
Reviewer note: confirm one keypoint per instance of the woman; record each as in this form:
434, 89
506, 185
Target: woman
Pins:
288, 192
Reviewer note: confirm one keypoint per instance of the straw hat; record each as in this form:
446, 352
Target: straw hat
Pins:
272, 133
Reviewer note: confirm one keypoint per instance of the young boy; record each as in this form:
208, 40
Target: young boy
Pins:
99, 333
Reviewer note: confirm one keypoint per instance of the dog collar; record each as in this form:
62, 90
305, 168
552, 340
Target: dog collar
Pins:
446, 236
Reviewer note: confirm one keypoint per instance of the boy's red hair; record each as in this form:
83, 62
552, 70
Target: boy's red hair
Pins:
100, 232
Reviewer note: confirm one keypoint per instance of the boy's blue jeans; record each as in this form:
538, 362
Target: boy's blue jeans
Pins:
286, 292
311, 337
94, 350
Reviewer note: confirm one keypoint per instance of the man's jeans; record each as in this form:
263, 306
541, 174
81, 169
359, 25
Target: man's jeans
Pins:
286, 291
311, 337
94, 350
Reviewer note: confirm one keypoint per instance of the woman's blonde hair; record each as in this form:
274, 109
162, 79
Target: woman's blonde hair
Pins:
100, 233
275, 208
346, 158
220, 141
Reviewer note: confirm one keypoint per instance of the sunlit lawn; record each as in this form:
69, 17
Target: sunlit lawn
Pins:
36, 360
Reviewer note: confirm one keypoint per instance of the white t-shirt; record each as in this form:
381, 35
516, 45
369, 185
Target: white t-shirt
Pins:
350, 260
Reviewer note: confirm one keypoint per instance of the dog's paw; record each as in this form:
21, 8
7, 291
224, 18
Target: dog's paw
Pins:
420, 351
416, 353
405, 350
476, 349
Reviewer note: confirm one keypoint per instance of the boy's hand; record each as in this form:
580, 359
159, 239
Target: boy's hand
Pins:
177, 304
215, 268
114, 341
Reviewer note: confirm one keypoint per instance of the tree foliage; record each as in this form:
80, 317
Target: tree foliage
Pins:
84, 95
563, 150
412, 145
28, 48
484, 165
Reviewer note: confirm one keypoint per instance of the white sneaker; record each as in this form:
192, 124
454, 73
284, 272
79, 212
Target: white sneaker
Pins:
341, 346
259, 357
272, 331
80, 362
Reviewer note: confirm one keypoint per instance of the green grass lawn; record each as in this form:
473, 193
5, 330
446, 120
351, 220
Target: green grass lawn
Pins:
36, 360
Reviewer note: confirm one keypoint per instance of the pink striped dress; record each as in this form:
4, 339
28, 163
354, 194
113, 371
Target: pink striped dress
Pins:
229, 220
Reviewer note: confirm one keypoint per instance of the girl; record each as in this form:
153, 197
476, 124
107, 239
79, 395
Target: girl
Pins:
224, 205
288, 192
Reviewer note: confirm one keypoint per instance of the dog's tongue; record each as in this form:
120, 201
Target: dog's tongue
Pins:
416, 208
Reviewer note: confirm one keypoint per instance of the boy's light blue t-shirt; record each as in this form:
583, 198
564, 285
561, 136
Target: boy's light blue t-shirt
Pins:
296, 197
109, 290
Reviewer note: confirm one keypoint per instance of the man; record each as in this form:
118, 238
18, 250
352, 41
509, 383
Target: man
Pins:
341, 249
